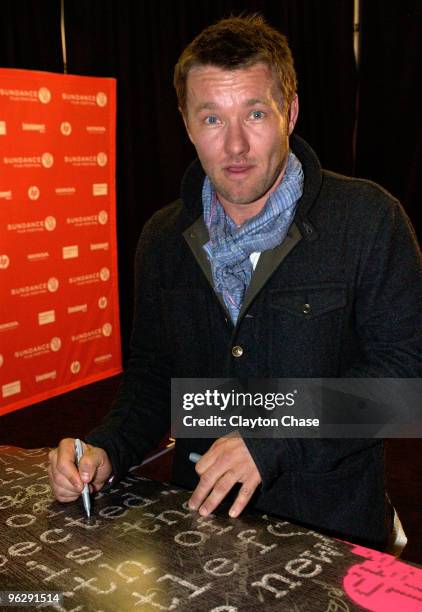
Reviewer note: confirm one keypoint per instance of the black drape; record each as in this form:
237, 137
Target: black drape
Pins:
389, 136
30, 35
138, 42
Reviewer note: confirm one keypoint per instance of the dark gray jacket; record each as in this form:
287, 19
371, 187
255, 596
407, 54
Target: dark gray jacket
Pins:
351, 255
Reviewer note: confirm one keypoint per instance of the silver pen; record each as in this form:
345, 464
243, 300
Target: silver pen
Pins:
85, 493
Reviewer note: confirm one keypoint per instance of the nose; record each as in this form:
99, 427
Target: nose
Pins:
236, 139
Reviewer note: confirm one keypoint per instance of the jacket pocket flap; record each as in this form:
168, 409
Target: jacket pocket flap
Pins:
311, 300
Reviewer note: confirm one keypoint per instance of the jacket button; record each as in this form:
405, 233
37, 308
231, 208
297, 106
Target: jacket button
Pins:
237, 351
306, 308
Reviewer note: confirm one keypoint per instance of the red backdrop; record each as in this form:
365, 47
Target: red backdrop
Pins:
59, 315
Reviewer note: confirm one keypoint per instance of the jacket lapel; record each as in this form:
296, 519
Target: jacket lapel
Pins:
196, 236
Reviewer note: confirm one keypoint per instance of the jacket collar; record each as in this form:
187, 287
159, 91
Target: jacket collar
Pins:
191, 188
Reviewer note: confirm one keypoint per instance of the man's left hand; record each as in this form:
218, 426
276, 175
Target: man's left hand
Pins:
227, 462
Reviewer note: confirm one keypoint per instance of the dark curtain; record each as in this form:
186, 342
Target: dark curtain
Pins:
389, 136
138, 42
30, 35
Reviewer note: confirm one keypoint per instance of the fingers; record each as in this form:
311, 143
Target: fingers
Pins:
63, 473
213, 488
244, 497
95, 467
227, 462
92, 460
67, 481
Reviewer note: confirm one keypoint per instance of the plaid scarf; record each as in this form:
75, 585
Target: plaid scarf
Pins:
229, 247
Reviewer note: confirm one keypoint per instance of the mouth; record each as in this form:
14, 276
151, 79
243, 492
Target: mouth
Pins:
238, 170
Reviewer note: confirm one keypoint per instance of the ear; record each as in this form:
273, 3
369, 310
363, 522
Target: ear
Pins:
293, 113
185, 121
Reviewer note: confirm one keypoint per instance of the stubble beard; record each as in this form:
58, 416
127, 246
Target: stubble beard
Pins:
255, 192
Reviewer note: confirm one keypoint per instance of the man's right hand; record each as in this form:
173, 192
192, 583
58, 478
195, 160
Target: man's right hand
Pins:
67, 480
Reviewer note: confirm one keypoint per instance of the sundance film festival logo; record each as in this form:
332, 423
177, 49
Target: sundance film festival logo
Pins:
33, 351
26, 226
90, 277
93, 334
16, 94
45, 160
43, 94
85, 99
4, 262
82, 220
100, 99
33, 192
65, 128
87, 160
101, 218
29, 352
49, 224
102, 302
23, 160
51, 285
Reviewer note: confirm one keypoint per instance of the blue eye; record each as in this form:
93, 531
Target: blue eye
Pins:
211, 120
257, 114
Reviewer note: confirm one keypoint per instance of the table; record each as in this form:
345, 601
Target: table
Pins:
143, 549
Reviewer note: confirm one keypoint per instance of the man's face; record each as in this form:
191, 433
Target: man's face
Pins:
236, 122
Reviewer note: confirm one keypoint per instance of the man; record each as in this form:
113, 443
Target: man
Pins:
266, 267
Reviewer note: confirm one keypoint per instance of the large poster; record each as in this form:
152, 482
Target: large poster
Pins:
59, 315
